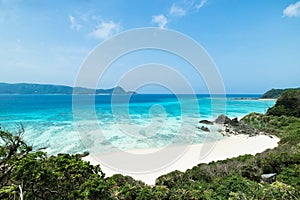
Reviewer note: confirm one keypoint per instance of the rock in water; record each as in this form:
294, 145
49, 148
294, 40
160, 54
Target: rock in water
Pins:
234, 122
223, 119
204, 121
203, 128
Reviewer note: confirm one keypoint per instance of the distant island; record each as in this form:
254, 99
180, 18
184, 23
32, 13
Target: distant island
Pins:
275, 93
28, 88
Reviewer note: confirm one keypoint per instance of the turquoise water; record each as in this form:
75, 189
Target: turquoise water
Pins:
146, 121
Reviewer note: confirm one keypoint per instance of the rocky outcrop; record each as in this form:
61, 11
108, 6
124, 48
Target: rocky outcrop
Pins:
223, 119
235, 127
203, 128
234, 122
231, 126
204, 121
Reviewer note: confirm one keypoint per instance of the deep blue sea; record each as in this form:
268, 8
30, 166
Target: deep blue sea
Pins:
141, 121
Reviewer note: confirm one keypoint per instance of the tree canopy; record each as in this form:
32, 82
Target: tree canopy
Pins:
288, 104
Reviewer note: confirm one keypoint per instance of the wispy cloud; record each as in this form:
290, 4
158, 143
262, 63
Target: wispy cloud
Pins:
177, 10
94, 25
74, 24
105, 29
160, 20
293, 10
200, 4
183, 7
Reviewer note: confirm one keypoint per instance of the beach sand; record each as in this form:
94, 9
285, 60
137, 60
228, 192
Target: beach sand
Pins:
148, 164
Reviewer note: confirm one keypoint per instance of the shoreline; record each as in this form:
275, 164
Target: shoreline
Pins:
229, 147
267, 99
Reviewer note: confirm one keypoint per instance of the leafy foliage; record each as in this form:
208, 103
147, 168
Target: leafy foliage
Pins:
274, 93
60, 177
12, 150
288, 104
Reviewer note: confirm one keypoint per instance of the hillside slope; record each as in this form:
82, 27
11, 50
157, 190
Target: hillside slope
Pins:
27, 88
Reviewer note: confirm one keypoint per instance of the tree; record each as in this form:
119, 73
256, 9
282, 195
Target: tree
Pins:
33, 175
12, 150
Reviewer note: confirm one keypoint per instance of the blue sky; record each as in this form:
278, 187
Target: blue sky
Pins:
255, 44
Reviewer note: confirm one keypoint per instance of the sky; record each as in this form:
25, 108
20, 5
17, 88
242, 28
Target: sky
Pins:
254, 44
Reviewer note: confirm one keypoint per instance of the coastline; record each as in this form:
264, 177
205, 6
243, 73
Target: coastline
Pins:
267, 99
229, 147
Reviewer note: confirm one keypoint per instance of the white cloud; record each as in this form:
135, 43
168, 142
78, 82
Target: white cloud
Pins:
183, 7
160, 20
200, 4
293, 10
74, 24
105, 30
177, 11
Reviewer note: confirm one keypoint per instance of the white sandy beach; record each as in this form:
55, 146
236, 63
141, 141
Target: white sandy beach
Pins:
150, 166
267, 99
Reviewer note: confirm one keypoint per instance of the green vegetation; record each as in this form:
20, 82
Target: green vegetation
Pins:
34, 175
288, 104
26, 88
274, 93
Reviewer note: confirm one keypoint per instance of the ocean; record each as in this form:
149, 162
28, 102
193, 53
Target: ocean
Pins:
68, 124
